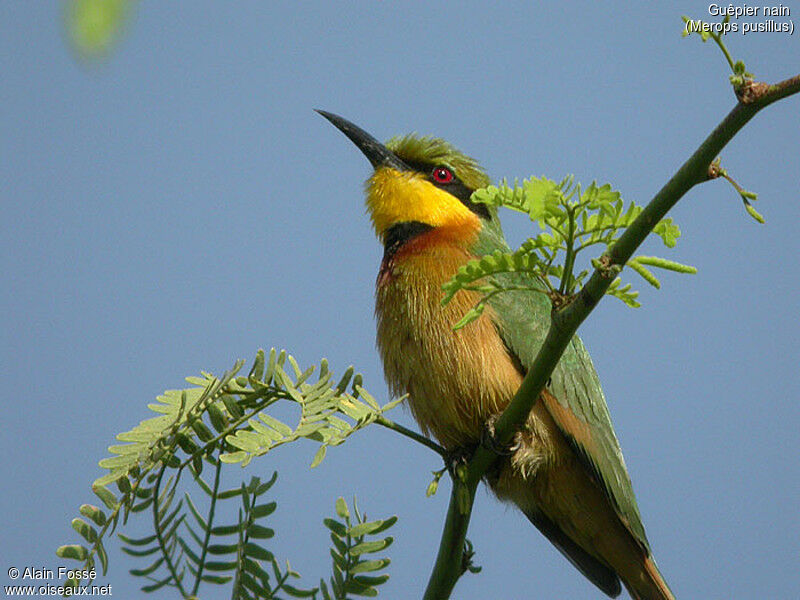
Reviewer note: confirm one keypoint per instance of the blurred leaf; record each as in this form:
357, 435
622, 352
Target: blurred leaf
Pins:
95, 26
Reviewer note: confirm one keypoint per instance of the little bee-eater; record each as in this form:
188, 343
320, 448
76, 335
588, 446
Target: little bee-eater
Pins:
565, 471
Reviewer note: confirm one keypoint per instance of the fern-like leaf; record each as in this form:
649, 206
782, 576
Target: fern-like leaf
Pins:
350, 547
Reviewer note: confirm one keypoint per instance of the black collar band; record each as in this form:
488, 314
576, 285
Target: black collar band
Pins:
400, 233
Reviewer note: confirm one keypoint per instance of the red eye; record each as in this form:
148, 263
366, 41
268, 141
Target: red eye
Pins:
442, 175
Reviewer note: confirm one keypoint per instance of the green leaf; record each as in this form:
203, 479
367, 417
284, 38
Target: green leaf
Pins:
216, 417
259, 532
232, 406
221, 530
256, 570
90, 511
297, 592
221, 566
248, 441
326, 595
85, 530
263, 487
233, 457
232, 493
190, 554
105, 496
470, 316
356, 589
319, 456
186, 443
145, 552
123, 449
384, 525
367, 566
646, 274
341, 508
335, 526
269, 373
222, 549
341, 387
341, 546
217, 579
247, 582
257, 370
103, 556
147, 570
255, 551
202, 431
164, 518
137, 541
263, 510
753, 212
73, 551
372, 527
602, 196
144, 505
158, 584
668, 231
487, 195
624, 293
277, 425
370, 547
663, 263
116, 462
370, 580
338, 559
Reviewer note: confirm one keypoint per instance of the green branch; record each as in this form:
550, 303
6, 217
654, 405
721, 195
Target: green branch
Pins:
566, 278
413, 435
753, 96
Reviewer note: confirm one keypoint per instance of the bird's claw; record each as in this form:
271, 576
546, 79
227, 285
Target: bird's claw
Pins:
490, 442
457, 460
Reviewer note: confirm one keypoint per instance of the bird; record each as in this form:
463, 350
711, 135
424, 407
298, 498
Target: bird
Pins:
565, 470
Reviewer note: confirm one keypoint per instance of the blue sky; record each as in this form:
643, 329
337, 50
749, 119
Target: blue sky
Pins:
180, 206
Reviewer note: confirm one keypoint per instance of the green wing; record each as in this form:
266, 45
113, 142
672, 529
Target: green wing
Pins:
524, 319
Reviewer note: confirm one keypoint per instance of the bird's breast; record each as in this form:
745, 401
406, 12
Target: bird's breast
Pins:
455, 379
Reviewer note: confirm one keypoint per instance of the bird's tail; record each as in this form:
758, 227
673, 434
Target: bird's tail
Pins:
647, 583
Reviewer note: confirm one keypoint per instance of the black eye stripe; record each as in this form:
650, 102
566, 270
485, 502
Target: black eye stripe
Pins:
463, 193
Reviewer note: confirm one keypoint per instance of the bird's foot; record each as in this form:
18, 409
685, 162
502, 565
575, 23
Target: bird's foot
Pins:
490, 442
457, 459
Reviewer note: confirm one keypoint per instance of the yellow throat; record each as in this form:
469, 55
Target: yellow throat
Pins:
406, 196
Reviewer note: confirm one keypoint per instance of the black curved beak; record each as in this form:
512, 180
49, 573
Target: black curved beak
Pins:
377, 154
